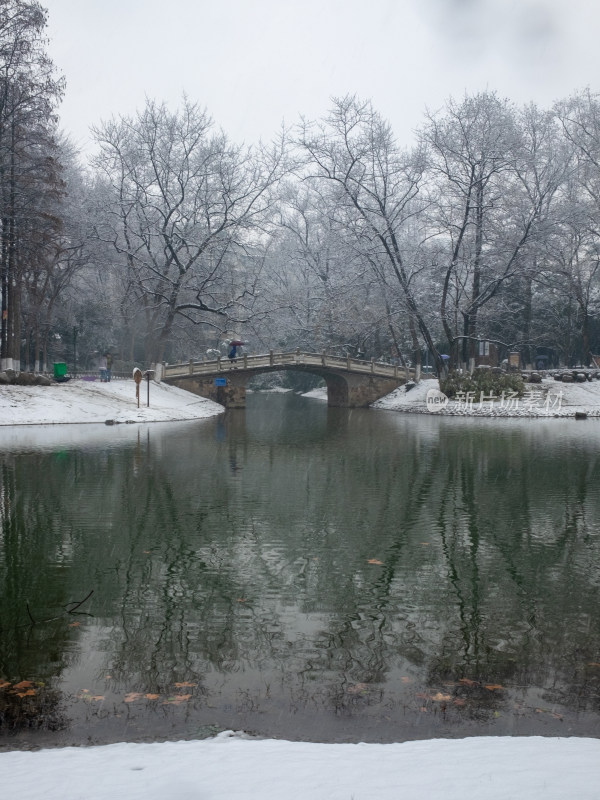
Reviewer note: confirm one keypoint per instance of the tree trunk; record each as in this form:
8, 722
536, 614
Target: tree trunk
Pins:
416, 347
585, 338
396, 343
476, 289
527, 316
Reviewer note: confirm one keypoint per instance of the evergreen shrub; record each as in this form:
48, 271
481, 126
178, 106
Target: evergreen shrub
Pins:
482, 380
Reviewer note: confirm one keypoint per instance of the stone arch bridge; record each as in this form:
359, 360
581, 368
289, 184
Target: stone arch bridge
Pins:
351, 383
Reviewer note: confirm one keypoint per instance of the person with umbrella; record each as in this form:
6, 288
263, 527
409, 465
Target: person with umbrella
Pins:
234, 344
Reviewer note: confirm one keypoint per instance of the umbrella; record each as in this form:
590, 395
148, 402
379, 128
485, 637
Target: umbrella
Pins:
236, 343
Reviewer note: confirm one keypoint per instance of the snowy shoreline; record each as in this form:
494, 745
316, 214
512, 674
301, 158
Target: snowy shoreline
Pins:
550, 399
546, 400
82, 402
114, 403
232, 765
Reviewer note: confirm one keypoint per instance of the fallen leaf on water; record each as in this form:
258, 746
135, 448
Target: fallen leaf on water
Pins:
177, 700
182, 684
468, 682
493, 686
593, 664
440, 696
152, 696
4, 684
241, 600
74, 624
357, 688
27, 693
375, 561
404, 679
97, 697
132, 697
459, 701
23, 685
547, 711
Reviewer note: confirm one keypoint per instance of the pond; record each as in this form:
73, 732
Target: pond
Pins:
299, 572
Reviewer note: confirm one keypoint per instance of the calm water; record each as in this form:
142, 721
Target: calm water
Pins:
301, 572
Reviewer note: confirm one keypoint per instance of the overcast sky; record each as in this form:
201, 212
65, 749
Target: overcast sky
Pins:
255, 63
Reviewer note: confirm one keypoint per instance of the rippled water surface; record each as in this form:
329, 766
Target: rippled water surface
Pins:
302, 572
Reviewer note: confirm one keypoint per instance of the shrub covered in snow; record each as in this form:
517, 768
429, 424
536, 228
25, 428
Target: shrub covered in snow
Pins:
482, 380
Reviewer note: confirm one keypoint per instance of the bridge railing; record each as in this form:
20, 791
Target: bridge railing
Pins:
272, 360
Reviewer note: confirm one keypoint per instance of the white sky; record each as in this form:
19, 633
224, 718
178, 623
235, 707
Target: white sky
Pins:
254, 63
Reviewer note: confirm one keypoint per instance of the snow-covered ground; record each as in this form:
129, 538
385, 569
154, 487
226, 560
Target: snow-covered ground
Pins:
234, 766
549, 398
81, 401
317, 394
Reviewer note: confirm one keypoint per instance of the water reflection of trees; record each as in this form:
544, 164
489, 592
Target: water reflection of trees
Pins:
258, 577
34, 594
501, 605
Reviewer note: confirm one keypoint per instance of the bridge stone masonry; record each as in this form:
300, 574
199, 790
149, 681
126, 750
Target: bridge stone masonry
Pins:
351, 383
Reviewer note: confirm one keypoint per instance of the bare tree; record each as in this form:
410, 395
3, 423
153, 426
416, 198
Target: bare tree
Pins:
186, 212
314, 274
375, 188
493, 173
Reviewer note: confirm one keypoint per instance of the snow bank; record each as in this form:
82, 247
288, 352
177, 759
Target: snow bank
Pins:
549, 398
232, 766
80, 401
319, 393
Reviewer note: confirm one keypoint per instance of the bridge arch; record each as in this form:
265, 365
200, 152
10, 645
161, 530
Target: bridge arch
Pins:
350, 383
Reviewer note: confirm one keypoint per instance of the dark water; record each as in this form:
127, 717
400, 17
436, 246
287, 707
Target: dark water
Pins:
301, 572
